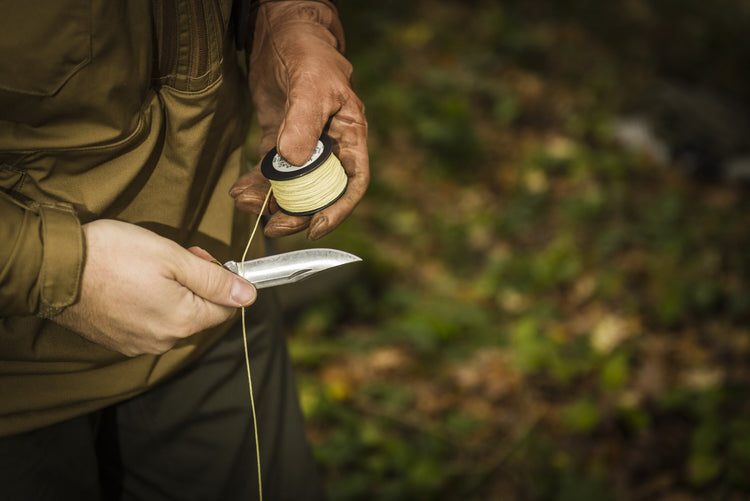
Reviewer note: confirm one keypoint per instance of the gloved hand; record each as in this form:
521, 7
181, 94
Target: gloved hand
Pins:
301, 86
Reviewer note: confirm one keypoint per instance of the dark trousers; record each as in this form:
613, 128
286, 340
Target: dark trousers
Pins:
190, 438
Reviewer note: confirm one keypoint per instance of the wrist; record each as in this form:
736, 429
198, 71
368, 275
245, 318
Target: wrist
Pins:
271, 17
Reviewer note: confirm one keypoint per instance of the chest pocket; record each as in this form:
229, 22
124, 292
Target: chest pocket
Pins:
43, 44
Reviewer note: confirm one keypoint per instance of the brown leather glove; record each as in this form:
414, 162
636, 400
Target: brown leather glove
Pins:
301, 87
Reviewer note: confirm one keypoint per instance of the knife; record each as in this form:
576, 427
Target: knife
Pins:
289, 267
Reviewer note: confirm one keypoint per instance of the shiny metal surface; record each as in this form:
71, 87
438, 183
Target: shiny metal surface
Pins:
289, 267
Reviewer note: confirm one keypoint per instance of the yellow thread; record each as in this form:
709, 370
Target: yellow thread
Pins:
305, 194
312, 191
247, 357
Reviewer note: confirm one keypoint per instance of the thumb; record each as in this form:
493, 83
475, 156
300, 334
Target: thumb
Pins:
301, 129
216, 284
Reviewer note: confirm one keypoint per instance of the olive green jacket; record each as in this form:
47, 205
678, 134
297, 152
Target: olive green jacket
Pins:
124, 109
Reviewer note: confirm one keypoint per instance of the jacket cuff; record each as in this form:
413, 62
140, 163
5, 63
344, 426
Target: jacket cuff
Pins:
62, 258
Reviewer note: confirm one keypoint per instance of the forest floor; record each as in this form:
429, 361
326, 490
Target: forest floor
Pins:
555, 295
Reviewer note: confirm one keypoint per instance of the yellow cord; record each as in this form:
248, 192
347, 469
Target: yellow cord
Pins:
305, 194
312, 191
247, 357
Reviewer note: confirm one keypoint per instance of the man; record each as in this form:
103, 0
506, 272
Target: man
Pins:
121, 132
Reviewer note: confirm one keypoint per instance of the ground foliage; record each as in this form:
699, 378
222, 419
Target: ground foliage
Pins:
543, 314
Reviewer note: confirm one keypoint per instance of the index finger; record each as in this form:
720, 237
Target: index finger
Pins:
350, 146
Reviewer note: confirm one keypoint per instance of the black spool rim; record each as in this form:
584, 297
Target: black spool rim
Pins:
266, 166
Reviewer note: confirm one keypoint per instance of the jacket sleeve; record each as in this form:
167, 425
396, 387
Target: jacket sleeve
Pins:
41, 257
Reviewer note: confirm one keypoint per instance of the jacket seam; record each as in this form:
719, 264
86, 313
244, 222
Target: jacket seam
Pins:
205, 90
139, 129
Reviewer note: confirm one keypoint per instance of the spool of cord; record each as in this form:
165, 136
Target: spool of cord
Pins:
302, 190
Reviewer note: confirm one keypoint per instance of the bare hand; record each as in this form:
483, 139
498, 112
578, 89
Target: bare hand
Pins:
141, 293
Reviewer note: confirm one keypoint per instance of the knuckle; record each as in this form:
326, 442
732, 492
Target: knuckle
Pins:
131, 352
159, 348
165, 334
214, 280
182, 329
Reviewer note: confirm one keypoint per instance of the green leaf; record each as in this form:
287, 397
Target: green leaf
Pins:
581, 415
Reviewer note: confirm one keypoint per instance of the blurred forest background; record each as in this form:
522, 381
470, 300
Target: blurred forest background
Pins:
555, 295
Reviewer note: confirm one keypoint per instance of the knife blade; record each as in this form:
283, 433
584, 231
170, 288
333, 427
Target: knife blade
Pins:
289, 267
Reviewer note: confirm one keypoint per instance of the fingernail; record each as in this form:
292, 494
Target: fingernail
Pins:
243, 293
